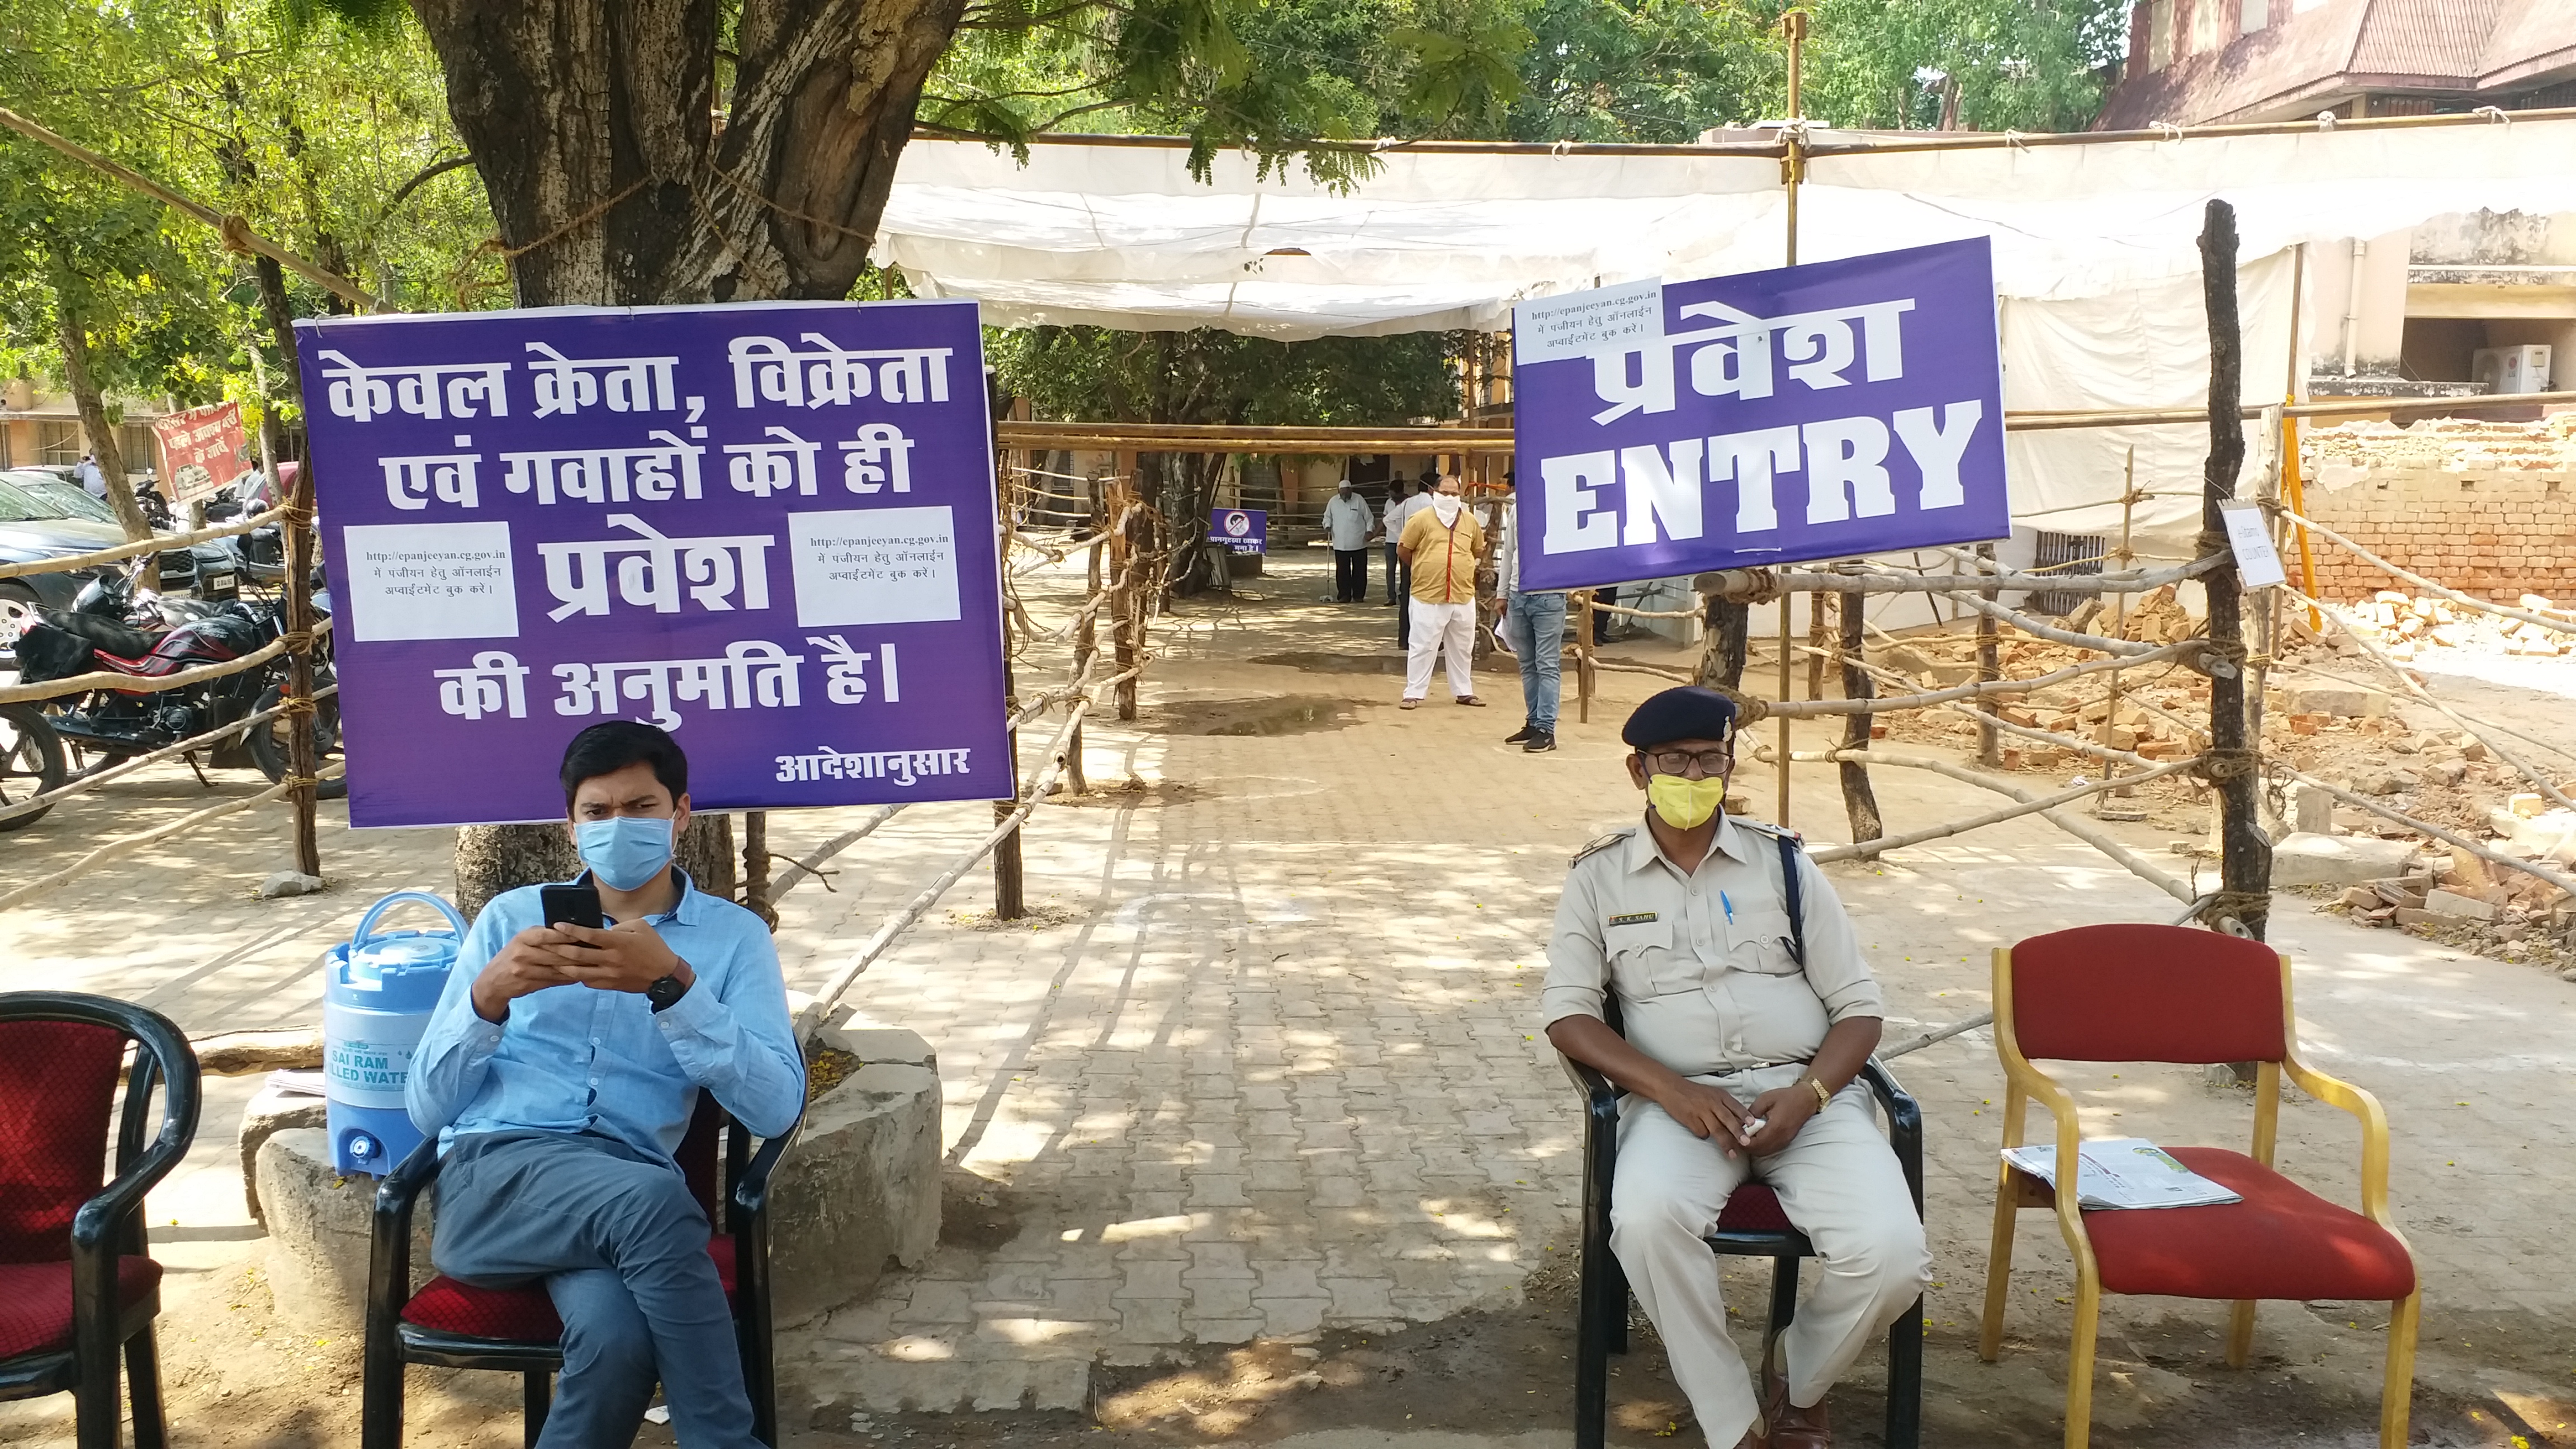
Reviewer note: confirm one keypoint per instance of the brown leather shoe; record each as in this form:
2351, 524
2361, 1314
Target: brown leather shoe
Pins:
1791, 1427
1753, 1438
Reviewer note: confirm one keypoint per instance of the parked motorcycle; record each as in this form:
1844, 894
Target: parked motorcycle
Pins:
114, 626
31, 763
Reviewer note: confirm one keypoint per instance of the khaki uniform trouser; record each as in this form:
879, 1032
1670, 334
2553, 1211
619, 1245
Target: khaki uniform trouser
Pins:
1838, 1182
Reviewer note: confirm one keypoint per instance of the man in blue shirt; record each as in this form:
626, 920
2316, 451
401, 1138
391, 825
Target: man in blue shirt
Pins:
560, 1071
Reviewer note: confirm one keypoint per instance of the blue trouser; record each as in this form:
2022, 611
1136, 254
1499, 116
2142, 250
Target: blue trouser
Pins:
1537, 622
1392, 563
622, 1249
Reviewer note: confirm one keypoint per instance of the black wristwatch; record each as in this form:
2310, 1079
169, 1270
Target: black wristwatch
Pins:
664, 992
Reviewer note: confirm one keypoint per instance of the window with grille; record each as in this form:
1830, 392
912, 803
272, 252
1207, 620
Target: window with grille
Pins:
58, 443
2066, 553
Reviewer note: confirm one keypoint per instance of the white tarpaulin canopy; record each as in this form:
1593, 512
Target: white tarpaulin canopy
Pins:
2096, 252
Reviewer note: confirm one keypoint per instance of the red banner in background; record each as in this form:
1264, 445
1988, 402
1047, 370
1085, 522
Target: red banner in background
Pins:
202, 449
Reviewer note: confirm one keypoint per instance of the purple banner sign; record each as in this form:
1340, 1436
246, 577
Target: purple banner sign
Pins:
766, 528
1815, 412
1240, 530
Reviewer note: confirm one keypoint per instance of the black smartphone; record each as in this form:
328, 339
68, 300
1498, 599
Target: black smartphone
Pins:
576, 905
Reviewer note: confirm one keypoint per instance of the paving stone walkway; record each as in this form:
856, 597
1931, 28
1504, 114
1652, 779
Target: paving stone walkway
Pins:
1264, 1062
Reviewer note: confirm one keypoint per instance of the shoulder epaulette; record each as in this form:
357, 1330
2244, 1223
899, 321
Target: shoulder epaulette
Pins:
1601, 843
1765, 827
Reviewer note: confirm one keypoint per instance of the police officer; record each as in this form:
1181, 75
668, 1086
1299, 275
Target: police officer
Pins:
1739, 1061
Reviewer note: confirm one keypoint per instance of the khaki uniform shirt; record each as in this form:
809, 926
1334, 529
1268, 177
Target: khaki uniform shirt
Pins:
1701, 963
1444, 558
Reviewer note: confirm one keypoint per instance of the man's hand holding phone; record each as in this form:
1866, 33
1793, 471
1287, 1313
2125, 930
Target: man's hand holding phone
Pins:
629, 956
533, 960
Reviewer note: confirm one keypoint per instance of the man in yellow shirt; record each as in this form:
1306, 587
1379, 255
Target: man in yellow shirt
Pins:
1441, 545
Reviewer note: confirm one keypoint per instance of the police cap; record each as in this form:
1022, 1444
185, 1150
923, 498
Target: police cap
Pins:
1686, 712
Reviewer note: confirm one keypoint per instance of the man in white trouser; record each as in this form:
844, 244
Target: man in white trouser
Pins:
1739, 1062
1441, 545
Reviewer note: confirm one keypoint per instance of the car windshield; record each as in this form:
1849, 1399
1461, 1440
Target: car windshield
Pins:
56, 498
17, 505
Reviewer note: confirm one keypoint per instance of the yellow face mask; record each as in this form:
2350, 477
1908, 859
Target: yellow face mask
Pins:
1683, 803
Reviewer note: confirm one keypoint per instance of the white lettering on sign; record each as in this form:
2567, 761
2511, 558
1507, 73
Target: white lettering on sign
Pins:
1661, 489
1734, 358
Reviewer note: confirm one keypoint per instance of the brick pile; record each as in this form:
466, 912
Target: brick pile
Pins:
2488, 508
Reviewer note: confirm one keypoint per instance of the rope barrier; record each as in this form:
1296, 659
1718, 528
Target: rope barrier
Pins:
2031, 805
129, 765
126, 844
155, 684
1810, 708
2563, 626
162, 543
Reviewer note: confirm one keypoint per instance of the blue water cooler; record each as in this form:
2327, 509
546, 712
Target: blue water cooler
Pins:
378, 991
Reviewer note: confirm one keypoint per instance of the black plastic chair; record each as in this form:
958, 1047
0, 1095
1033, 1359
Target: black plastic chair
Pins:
453, 1325
1751, 1226
77, 1282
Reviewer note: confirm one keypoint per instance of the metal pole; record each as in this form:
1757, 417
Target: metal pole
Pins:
1792, 167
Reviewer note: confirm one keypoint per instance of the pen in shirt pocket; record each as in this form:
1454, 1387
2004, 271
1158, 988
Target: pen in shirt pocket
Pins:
1728, 906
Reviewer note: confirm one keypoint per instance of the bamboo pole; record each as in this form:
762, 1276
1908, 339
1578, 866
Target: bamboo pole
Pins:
2074, 825
158, 543
1989, 669
37, 889
1009, 881
1860, 802
300, 758
2450, 838
1872, 847
1793, 23
1583, 663
811, 866
2120, 602
1810, 709
2443, 591
93, 779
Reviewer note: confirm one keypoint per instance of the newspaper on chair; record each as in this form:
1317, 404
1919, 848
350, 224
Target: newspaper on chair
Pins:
2125, 1172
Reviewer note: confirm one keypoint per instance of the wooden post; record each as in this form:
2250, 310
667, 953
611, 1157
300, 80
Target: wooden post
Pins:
1817, 605
300, 759
2245, 855
1859, 801
2119, 616
1583, 658
1989, 669
1009, 888
1781, 816
1086, 643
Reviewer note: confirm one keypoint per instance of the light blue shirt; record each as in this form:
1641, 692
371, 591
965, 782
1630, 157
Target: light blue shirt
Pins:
578, 1059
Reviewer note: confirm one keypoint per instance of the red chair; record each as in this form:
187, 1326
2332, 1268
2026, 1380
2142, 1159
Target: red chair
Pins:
2146, 993
516, 1329
77, 1281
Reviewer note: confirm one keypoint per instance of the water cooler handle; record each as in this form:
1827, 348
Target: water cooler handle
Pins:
367, 922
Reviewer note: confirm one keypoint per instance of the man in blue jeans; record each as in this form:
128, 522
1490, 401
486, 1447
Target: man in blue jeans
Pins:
1533, 625
560, 1071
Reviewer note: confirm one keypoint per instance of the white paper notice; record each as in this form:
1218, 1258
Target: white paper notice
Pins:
2258, 564
1579, 324
429, 581
875, 566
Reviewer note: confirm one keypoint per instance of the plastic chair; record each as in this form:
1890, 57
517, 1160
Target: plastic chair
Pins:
1752, 1225
2150, 993
77, 1280
517, 1330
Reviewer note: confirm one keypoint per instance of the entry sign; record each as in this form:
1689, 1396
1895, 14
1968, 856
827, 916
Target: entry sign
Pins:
767, 528
1814, 412
1240, 530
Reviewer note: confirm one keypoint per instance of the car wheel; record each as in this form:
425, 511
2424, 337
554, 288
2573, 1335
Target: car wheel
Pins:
18, 610
269, 741
31, 762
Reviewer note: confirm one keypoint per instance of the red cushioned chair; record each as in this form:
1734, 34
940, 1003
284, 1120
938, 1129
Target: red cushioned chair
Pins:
2146, 993
455, 1326
76, 1278
1752, 1225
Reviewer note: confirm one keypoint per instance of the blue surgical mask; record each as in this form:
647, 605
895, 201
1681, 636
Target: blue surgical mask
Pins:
625, 850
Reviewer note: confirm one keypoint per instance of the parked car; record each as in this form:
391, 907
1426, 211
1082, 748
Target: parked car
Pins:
44, 517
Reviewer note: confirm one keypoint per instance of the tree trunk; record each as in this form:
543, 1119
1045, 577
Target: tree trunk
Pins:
2245, 860
101, 433
592, 123
1730, 627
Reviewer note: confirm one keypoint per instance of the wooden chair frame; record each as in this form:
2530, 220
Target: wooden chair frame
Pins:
2015, 1190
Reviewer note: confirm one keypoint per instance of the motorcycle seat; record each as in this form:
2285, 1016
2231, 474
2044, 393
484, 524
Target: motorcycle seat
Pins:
109, 636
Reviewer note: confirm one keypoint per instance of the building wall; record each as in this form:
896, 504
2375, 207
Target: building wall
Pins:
2487, 508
